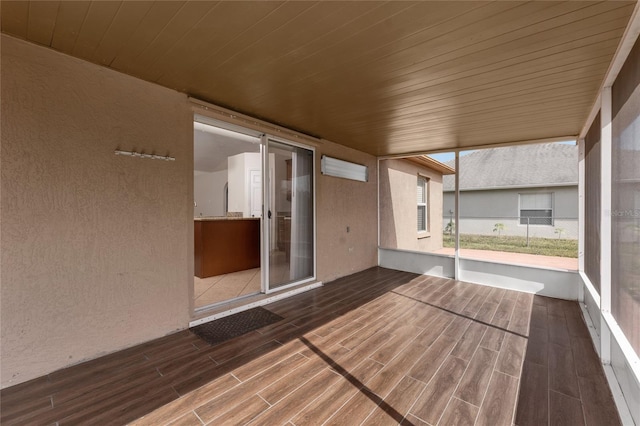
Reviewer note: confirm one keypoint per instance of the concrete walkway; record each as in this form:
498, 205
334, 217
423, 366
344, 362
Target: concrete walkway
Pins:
569, 263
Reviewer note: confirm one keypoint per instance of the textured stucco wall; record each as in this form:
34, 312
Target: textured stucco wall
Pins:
342, 203
96, 248
398, 208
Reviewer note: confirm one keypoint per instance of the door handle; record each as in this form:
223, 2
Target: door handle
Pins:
269, 214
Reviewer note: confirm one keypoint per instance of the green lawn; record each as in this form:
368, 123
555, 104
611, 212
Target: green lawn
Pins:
543, 246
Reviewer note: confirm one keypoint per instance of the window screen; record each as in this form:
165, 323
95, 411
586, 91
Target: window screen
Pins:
536, 209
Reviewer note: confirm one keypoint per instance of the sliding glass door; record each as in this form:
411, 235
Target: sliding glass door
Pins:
290, 214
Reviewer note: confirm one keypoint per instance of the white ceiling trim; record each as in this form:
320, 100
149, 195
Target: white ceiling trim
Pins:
235, 118
627, 41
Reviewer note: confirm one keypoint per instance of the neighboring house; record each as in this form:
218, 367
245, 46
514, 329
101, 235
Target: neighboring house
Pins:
411, 203
514, 186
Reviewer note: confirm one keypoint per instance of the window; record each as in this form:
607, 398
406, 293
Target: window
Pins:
536, 209
422, 204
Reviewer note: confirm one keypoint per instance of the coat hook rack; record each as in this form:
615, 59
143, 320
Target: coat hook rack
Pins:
143, 155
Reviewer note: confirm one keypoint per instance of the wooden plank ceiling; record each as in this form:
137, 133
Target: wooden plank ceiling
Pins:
381, 77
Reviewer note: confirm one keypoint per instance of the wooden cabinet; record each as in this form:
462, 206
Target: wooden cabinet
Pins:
226, 245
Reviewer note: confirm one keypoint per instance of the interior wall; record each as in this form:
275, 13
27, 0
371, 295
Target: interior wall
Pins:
208, 193
398, 207
240, 167
347, 219
97, 249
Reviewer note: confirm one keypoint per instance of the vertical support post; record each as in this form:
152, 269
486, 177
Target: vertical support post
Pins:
378, 182
581, 213
264, 223
456, 222
605, 224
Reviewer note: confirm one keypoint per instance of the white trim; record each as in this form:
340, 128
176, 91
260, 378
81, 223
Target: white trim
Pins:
581, 212
605, 221
627, 41
609, 326
228, 120
255, 304
378, 201
267, 289
205, 120
595, 109
265, 237
622, 341
618, 396
292, 143
423, 181
588, 285
238, 119
289, 285
315, 216
593, 332
456, 203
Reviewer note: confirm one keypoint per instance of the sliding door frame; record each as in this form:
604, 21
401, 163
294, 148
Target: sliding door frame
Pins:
267, 202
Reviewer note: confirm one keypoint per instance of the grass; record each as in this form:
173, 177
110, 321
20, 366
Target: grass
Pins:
542, 246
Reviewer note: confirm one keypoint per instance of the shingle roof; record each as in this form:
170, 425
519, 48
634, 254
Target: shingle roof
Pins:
517, 166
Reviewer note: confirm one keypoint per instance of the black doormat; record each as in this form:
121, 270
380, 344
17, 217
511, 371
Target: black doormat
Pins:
218, 331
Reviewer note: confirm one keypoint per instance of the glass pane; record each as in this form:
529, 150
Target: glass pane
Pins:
536, 217
422, 218
535, 201
421, 190
291, 251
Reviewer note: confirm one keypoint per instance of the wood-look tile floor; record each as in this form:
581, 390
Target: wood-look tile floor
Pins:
377, 347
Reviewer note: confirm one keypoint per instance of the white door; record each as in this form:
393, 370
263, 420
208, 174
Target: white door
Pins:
255, 179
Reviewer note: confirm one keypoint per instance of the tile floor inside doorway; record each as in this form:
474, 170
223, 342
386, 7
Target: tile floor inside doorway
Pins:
208, 291
220, 288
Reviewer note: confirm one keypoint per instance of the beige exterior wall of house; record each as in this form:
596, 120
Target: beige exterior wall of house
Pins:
342, 204
398, 207
97, 249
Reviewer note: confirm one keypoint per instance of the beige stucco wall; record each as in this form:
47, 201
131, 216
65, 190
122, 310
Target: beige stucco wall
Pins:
342, 203
398, 208
95, 248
